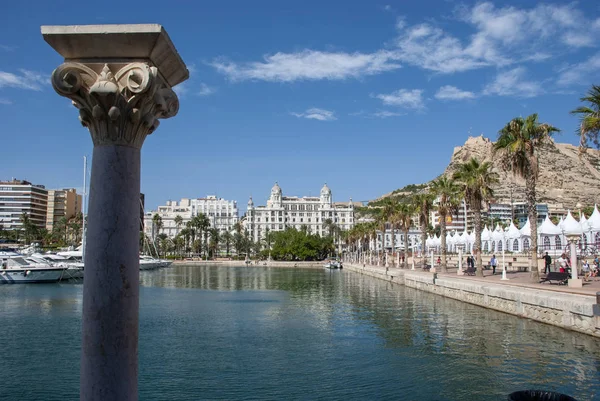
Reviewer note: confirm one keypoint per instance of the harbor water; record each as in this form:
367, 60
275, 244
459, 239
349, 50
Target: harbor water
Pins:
258, 333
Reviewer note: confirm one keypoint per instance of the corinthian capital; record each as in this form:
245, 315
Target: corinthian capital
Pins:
119, 103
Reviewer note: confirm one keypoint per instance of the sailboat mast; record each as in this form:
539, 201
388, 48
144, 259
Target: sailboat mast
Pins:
83, 205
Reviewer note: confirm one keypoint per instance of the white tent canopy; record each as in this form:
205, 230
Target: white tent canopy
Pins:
570, 226
512, 232
548, 228
594, 220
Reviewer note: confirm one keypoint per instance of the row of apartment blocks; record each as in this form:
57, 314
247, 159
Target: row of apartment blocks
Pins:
222, 215
503, 212
45, 208
279, 213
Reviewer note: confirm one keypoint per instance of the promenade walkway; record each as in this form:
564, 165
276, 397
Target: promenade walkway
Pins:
518, 279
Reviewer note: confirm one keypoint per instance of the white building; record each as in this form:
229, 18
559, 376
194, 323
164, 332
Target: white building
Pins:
282, 212
460, 220
19, 197
222, 214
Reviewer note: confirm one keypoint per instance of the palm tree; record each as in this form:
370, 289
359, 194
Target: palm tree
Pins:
589, 127
388, 214
448, 200
227, 239
214, 241
424, 203
517, 144
406, 211
157, 224
329, 226
29, 228
178, 222
476, 180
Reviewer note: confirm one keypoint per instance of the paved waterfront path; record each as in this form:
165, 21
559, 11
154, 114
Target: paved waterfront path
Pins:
519, 279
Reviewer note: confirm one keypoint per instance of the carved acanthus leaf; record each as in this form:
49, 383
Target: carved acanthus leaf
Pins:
120, 108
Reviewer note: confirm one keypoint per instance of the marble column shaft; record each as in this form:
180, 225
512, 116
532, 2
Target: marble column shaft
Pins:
120, 104
111, 281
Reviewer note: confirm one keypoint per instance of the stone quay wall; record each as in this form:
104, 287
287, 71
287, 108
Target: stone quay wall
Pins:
570, 311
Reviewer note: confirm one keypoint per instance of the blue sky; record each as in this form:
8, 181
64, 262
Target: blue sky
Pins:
366, 96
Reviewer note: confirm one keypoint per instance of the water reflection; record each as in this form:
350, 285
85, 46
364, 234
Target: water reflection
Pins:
257, 333
436, 338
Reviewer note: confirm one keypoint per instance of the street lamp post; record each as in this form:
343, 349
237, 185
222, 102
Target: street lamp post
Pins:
503, 262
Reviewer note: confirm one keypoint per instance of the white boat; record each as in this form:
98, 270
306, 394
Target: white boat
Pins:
149, 263
18, 269
333, 264
73, 264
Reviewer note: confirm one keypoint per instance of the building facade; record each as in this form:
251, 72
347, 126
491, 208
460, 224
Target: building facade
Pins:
281, 212
458, 221
62, 203
516, 212
222, 215
18, 197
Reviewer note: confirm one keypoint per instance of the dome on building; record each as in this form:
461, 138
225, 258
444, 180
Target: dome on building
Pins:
325, 190
276, 189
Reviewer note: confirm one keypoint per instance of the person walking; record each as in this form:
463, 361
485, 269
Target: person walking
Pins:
547, 262
493, 263
586, 270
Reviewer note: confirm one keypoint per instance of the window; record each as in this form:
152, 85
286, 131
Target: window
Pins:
558, 242
500, 246
515, 245
546, 242
526, 243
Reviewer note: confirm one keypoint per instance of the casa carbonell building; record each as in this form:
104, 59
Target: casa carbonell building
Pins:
222, 215
282, 212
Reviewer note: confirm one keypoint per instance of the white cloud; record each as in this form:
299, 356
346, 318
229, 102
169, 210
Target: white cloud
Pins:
449, 92
407, 98
400, 23
316, 114
7, 48
512, 83
309, 65
501, 37
430, 48
386, 114
205, 90
26, 80
182, 89
5, 101
579, 39
579, 73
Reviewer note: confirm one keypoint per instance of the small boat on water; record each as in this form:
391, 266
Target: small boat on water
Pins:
19, 269
150, 263
333, 264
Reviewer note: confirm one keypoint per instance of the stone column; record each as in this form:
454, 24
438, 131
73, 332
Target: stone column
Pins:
460, 272
120, 79
574, 281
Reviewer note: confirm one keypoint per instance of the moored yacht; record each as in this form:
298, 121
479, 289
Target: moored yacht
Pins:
19, 269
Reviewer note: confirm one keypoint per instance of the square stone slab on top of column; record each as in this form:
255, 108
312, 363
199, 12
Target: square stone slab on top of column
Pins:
118, 43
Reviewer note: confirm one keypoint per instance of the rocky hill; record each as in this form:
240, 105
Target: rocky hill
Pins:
567, 176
